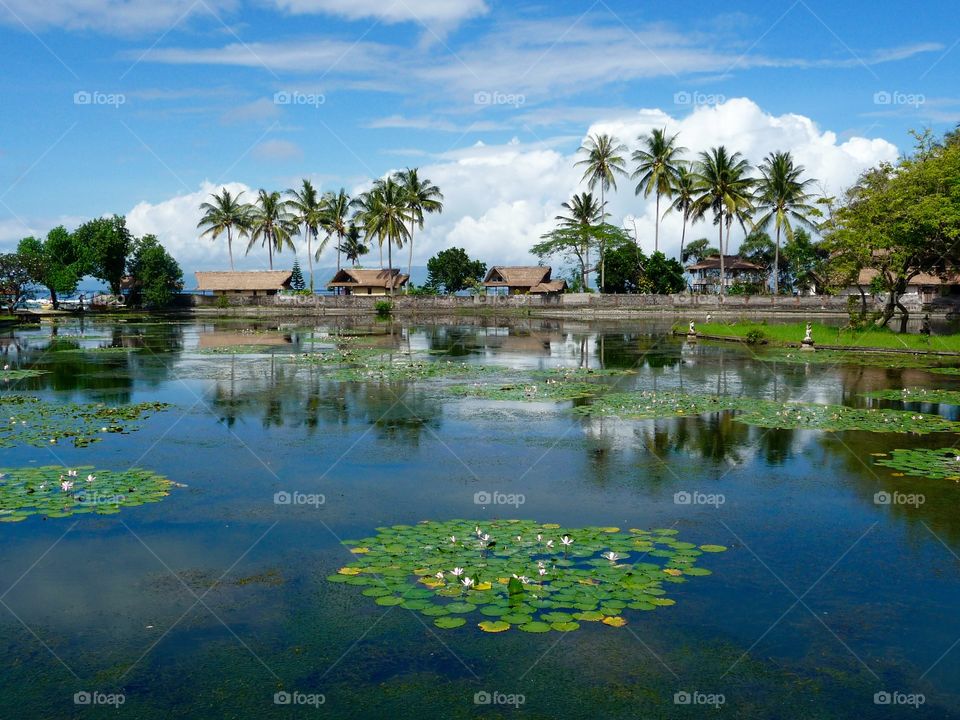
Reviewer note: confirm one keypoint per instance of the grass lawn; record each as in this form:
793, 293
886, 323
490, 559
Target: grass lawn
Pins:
784, 333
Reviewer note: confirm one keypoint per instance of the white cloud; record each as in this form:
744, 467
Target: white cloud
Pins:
500, 199
107, 16
443, 12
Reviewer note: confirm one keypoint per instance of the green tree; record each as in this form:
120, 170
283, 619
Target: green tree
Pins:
583, 213
226, 214
666, 275
698, 251
105, 244
56, 263
604, 161
423, 197
352, 246
657, 160
805, 261
296, 277
14, 276
452, 270
384, 213
629, 270
156, 275
271, 223
725, 191
783, 200
308, 212
571, 241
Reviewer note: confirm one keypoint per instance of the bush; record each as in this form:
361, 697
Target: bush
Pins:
222, 302
756, 336
383, 307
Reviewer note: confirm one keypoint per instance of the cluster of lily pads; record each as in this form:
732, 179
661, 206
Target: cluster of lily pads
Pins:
242, 350
648, 405
101, 350
536, 577
944, 397
28, 420
549, 390
849, 357
408, 369
945, 370
808, 416
55, 492
8, 375
942, 464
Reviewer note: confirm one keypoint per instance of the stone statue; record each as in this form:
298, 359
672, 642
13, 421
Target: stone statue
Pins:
693, 329
807, 343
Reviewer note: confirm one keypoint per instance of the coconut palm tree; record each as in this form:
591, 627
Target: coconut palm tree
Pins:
271, 223
422, 197
384, 214
336, 219
308, 207
583, 211
781, 197
226, 214
352, 246
603, 162
724, 189
657, 161
683, 193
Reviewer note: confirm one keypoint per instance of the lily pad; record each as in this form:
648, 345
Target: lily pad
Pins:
493, 626
942, 464
448, 623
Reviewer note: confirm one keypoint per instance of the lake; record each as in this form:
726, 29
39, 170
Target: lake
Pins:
836, 595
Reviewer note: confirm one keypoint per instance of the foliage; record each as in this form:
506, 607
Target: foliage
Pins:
14, 276
422, 197
698, 251
942, 464
630, 271
756, 336
271, 223
383, 308
805, 262
157, 276
573, 243
533, 576
296, 277
226, 214
549, 390
54, 492
105, 244
56, 263
309, 212
352, 246
918, 395
657, 170
452, 270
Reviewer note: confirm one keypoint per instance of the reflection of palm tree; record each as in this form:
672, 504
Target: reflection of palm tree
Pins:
225, 214
657, 170
271, 223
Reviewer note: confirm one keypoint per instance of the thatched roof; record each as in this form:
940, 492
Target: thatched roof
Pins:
953, 278
355, 277
553, 286
519, 276
730, 262
258, 280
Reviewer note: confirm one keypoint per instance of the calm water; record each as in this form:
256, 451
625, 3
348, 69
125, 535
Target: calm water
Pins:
208, 603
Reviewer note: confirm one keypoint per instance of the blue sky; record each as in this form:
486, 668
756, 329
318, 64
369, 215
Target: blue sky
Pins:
183, 93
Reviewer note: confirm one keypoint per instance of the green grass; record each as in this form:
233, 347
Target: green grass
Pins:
792, 333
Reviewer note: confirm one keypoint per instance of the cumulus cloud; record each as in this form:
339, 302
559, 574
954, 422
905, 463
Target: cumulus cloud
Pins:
500, 199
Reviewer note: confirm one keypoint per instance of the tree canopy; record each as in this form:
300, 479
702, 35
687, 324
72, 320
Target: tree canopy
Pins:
452, 270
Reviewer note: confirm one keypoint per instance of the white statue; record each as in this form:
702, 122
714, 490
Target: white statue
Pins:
693, 329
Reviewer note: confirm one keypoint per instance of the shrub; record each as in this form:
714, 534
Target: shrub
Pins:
755, 336
222, 302
383, 307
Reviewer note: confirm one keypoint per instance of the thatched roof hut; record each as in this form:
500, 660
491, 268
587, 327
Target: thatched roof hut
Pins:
521, 279
260, 282
356, 281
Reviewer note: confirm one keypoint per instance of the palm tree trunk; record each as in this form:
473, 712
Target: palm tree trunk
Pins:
390, 263
410, 258
230, 248
656, 227
309, 256
381, 253
683, 237
722, 268
270, 250
603, 220
776, 265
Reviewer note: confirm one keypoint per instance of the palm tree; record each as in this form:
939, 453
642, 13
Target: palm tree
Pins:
308, 212
583, 211
724, 189
271, 223
657, 162
336, 219
684, 190
604, 161
383, 212
781, 197
352, 246
422, 197
225, 214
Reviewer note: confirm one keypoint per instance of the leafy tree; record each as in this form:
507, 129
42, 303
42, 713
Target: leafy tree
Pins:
657, 170
308, 211
666, 275
226, 214
14, 276
604, 161
583, 212
56, 263
698, 251
805, 261
571, 242
783, 200
902, 221
629, 270
423, 197
156, 275
296, 277
452, 270
105, 244
272, 223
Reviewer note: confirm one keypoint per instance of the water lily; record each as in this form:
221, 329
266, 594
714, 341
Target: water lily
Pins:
453, 539
91, 478
457, 571
566, 540
522, 578
539, 538
439, 575
66, 485
542, 571
485, 537
71, 473
467, 582
611, 556
549, 543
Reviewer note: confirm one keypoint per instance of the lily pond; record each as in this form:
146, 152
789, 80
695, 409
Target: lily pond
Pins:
472, 517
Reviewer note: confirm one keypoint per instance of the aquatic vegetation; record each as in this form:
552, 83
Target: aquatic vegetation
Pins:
409, 369
807, 416
8, 375
942, 464
101, 350
945, 397
340, 356
579, 373
650, 405
56, 492
944, 370
27, 420
243, 349
536, 577
546, 391
850, 357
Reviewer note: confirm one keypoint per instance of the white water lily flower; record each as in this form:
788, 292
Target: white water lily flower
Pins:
611, 556
522, 578
542, 571
71, 473
467, 582
91, 478
66, 485
457, 571
539, 538
549, 543
453, 538
485, 537
567, 540
439, 575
